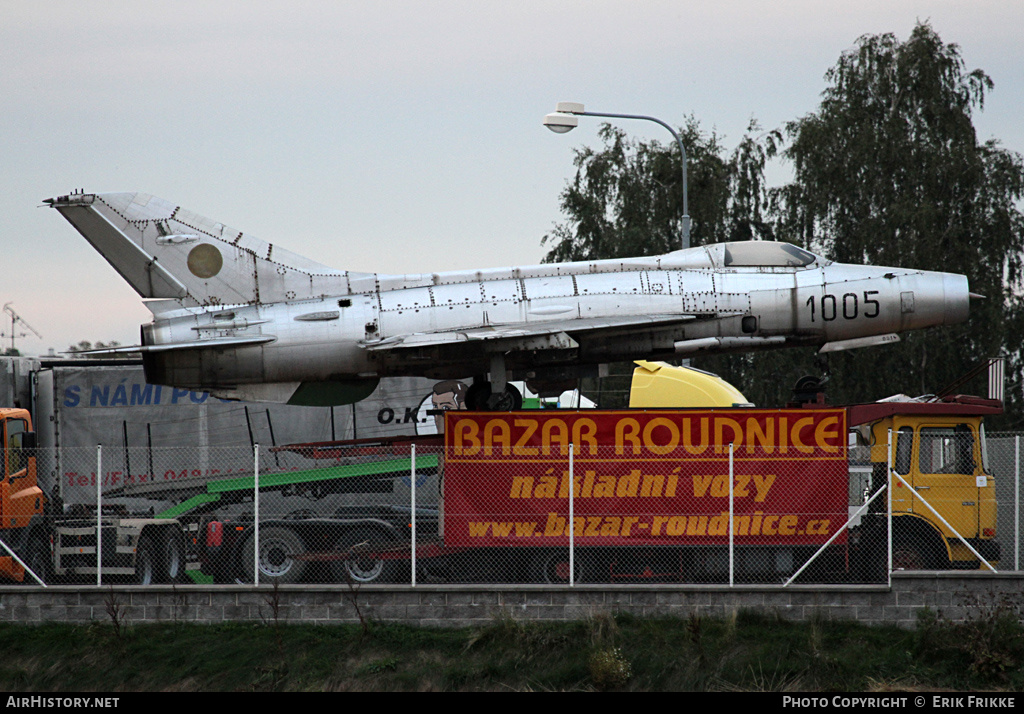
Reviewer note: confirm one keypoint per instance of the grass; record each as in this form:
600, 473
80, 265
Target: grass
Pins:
748, 652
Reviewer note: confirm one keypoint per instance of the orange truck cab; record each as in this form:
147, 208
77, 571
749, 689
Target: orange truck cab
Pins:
21, 500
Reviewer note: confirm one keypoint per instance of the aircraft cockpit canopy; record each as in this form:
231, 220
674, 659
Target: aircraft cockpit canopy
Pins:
767, 254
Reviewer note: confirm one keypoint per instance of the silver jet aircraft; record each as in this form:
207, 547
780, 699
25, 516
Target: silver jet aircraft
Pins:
248, 320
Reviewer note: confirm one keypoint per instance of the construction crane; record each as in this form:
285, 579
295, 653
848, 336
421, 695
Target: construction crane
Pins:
16, 319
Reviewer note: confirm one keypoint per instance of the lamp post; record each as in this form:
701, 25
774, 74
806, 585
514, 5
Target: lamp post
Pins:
564, 119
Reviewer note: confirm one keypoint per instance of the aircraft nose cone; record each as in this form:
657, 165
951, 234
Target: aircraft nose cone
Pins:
931, 299
957, 294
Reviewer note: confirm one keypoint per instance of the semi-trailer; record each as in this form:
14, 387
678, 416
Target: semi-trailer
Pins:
86, 436
652, 497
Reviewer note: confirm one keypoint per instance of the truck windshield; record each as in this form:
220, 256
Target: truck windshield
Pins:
947, 450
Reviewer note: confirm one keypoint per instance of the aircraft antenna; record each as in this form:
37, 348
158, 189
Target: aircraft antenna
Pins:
16, 320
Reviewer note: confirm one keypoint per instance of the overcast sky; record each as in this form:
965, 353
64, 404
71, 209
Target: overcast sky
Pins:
390, 136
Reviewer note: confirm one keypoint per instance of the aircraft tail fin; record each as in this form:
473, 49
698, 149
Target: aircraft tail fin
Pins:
165, 251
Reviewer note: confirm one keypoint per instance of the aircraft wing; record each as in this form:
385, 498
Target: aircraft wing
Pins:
549, 334
190, 345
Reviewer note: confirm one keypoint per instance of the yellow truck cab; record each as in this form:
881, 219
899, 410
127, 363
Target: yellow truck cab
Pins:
942, 490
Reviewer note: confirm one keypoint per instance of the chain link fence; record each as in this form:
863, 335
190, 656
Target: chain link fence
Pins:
1005, 454
408, 510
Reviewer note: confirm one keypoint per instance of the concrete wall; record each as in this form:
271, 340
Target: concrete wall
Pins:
954, 596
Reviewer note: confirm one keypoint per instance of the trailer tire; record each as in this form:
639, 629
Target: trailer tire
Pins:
145, 561
364, 569
551, 566
276, 565
172, 562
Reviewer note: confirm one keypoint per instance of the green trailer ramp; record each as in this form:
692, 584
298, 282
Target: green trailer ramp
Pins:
396, 468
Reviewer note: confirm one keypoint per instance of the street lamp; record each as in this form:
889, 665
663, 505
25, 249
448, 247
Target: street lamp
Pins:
565, 119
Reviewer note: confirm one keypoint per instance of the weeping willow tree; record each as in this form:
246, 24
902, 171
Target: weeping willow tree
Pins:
626, 200
888, 170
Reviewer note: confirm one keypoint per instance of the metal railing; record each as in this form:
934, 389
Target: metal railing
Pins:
718, 513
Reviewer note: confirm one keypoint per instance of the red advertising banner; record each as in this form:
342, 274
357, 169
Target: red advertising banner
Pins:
645, 478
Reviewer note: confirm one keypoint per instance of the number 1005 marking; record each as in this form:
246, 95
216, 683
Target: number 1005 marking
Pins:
849, 303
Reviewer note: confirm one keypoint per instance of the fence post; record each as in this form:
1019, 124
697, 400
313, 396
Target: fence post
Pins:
256, 514
732, 551
572, 529
888, 483
99, 515
412, 483
1016, 504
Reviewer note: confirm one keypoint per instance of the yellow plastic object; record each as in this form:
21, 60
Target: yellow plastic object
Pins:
657, 384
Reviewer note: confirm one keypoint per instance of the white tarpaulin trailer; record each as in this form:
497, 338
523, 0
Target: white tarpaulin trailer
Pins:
153, 435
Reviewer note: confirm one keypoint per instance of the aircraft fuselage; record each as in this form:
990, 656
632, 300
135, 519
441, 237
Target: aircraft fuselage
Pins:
249, 320
725, 310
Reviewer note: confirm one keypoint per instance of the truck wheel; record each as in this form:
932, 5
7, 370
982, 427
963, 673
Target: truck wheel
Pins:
364, 567
145, 561
39, 560
277, 545
913, 554
552, 566
172, 565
